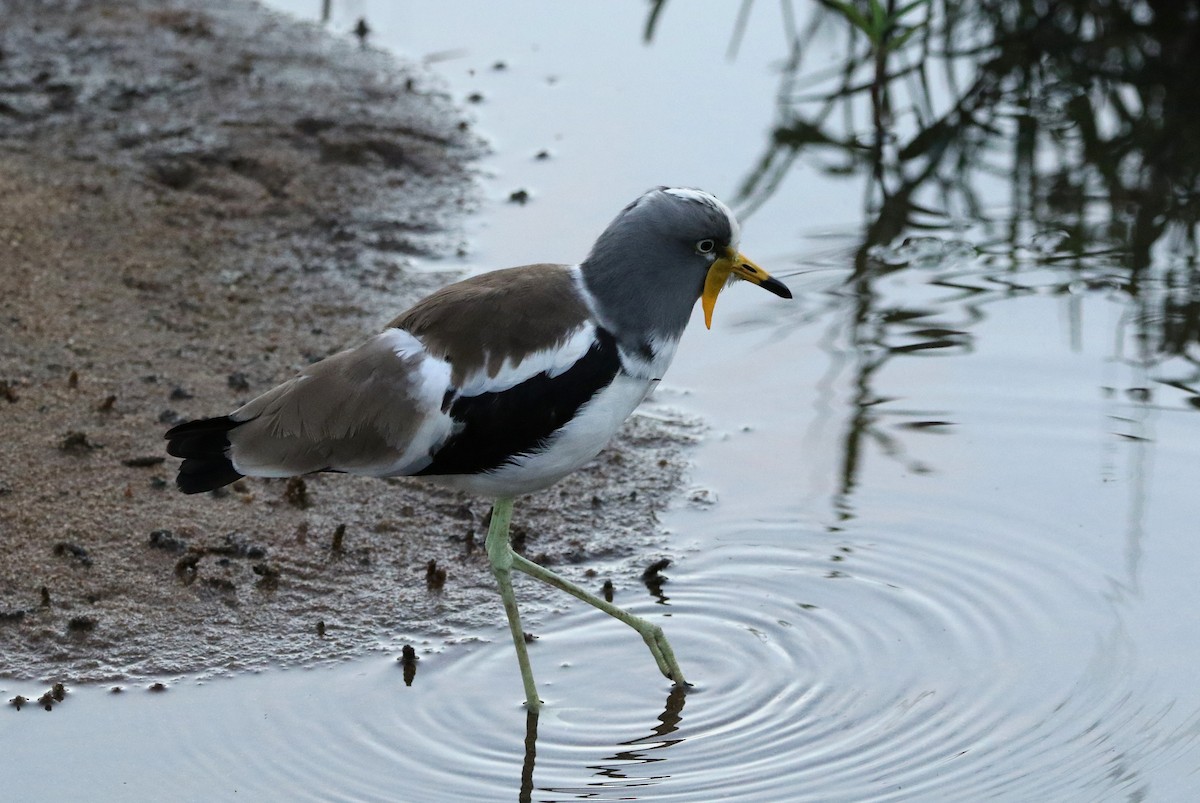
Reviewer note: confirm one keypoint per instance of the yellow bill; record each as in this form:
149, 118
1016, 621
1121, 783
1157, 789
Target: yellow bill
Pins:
735, 264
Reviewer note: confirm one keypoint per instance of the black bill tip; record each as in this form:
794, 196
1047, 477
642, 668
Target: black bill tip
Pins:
775, 286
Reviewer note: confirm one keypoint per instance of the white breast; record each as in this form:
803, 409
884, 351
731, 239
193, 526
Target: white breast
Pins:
580, 440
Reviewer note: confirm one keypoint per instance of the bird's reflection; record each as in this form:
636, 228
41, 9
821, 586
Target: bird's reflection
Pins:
531, 725
614, 770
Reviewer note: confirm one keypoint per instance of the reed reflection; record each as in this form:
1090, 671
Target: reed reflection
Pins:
1005, 148
992, 137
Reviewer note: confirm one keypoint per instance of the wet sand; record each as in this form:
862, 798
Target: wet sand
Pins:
193, 205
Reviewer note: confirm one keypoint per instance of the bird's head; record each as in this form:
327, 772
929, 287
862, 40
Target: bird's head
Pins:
667, 249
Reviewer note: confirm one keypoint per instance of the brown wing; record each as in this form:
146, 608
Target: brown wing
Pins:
361, 410
478, 323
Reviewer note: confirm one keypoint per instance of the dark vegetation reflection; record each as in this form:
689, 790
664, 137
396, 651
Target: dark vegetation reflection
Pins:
1085, 114
1004, 149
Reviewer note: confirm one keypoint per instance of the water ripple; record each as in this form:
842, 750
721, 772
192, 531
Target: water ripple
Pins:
894, 663
835, 670
916, 664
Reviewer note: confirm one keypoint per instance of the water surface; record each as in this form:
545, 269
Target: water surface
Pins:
939, 541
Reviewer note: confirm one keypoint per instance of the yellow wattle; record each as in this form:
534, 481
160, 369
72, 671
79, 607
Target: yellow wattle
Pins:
714, 283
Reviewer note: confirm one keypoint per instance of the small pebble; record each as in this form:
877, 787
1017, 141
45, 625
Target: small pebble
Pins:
435, 576
269, 576
143, 461
67, 549
77, 443
81, 624
296, 493
408, 661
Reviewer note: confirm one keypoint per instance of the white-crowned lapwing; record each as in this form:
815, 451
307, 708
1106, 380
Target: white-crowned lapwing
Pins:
501, 384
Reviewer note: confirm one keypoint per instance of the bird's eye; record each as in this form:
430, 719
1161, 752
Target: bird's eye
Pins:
706, 246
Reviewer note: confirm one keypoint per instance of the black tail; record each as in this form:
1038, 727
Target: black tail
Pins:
204, 447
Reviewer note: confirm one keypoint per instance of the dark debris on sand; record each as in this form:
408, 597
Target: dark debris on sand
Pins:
195, 201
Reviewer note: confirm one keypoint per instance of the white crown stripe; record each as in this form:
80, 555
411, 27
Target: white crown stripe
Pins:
700, 196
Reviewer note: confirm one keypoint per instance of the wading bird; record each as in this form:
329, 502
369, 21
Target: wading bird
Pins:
501, 384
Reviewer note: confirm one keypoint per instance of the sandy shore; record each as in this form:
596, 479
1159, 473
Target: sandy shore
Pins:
193, 205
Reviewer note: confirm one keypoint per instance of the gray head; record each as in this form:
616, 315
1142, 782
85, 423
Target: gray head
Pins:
660, 254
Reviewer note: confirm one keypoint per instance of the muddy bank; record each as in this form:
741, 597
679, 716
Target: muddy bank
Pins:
194, 203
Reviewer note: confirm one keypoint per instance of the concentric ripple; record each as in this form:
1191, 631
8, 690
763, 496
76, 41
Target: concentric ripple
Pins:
912, 663
901, 665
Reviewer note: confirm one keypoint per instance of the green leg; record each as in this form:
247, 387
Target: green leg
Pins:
501, 555
652, 634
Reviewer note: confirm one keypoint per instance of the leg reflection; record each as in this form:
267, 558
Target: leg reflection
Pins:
531, 722
637, 765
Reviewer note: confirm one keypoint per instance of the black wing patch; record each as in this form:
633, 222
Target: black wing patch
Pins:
204, 445
496, 427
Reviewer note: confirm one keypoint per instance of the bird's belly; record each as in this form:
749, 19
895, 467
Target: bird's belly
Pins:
569, 448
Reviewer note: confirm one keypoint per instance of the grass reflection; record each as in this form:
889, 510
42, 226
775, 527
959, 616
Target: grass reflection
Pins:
1089, 109
993, 137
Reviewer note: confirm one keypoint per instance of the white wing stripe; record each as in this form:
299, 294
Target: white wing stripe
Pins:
553, 362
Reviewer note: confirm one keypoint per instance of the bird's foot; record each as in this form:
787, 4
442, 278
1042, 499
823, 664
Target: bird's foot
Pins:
660, 648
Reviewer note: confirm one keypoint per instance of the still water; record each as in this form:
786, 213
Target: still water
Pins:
939, 539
